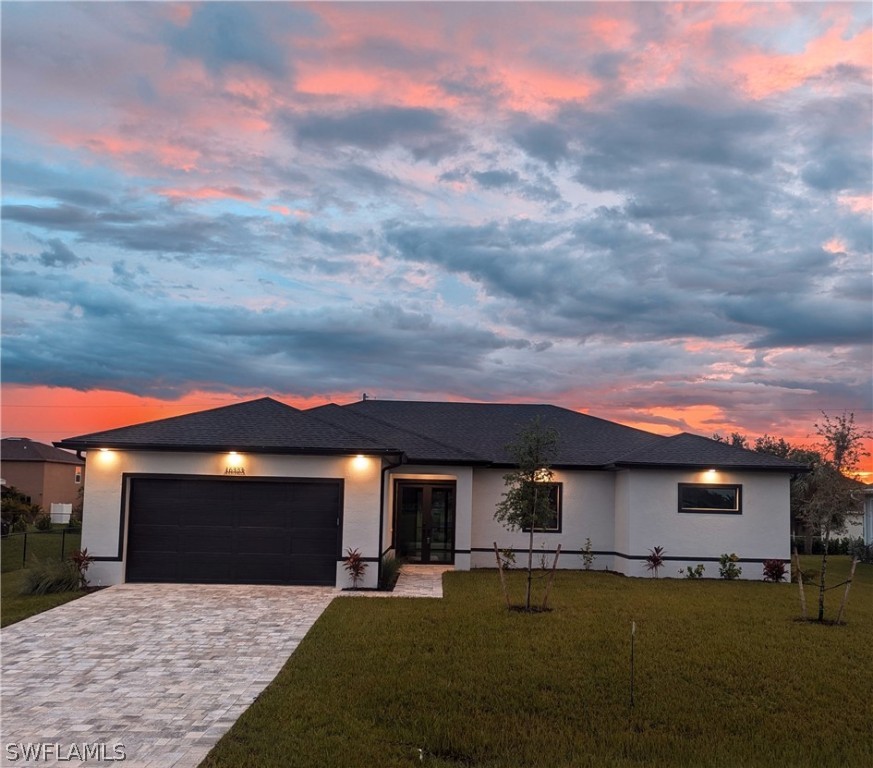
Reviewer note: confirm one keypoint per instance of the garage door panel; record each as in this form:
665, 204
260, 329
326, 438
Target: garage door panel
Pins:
155, 538
203, 539
230, 531
267, 541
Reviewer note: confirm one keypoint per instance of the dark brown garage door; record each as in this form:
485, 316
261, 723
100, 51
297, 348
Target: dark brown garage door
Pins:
234, 531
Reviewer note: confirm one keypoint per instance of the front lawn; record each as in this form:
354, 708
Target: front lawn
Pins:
725, 676
14, 606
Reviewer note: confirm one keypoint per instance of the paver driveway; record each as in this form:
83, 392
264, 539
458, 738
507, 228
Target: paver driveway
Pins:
163, 670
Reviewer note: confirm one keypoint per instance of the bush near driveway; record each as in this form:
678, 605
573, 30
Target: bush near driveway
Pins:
725, 675
14, 606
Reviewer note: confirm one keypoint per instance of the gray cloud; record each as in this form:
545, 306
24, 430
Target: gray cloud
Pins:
57, 254
425, 133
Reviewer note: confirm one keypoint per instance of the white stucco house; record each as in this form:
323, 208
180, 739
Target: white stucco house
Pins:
261, 492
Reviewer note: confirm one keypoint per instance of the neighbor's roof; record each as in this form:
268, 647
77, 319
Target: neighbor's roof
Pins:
425, 432
25, 449
263, 425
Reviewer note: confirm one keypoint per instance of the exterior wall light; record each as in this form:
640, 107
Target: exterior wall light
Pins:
360, 461
234, 464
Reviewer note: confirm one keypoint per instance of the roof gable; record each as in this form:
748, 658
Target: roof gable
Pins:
264, 425
25, 449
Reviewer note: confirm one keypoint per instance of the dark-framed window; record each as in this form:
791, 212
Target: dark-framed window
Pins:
710, 497
553, 524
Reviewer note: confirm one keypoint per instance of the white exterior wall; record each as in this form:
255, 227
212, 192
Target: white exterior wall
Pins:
103, 495
761, 531
587, 504
463, 477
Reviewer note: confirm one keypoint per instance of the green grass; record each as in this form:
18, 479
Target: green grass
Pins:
725, 676
40, 546
14, 606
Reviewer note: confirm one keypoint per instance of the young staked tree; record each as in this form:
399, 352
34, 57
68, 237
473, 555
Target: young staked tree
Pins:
526, 503
829, 491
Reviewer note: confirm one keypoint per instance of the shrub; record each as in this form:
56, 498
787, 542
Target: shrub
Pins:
728, 568
82, 560
587, 555
43, 522
507, 558
864, 552
694, 573
391, 567
654, 560
774, 570
355, 565
44, 578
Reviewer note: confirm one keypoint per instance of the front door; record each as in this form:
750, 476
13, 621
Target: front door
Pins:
425, 521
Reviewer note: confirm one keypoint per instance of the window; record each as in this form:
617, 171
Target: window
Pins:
78, 475
553, 525
726, 499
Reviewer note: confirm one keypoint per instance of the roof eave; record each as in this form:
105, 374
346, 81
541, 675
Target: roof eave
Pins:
795, 469
226, 447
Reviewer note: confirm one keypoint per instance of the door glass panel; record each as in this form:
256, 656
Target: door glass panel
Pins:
410, 522
442, 528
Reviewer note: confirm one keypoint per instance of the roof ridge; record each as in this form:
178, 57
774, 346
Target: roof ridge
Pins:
420, 435
167, 419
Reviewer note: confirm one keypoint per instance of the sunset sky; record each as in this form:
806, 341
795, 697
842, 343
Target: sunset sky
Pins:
659, 214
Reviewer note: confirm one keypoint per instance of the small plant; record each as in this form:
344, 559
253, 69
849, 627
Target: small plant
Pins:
44, 578
82, 560
507, 558
43, 522
693, 573
391, 567
728, 568
654, 560
774, 570
355, 565
587, 555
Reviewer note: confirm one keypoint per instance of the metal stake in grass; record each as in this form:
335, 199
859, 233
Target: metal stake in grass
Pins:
633, 637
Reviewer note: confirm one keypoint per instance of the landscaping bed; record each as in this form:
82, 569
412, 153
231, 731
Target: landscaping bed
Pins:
724, 675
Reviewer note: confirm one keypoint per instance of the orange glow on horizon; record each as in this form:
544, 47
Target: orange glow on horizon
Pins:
47, 414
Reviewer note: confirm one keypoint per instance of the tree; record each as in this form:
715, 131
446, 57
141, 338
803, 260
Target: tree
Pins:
526, 503
736, 439
829, 491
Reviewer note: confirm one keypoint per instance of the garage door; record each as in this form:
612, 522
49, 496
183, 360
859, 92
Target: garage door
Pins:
233, 531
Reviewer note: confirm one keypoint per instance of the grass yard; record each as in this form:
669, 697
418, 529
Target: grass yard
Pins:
15, 606
725, 676
40, 546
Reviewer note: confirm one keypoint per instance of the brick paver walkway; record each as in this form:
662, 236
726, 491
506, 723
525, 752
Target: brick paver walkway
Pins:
163, 670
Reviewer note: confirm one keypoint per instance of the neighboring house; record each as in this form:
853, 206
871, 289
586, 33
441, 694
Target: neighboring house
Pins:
42, 472
261, 492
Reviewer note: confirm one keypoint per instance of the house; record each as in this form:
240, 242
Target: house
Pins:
261, 492
46, 474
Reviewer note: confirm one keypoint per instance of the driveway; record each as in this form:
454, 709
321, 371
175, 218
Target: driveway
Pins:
158, 672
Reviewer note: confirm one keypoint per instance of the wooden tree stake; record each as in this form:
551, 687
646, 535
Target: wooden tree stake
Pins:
800, 585
502, 577
551, 577
846, 593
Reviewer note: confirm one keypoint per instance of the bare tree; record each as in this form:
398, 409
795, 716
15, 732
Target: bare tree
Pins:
526, 503
830, 490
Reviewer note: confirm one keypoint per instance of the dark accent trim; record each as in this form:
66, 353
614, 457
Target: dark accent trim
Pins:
675, 558
382, 477
365, 559
461, 551
707, 510
130, 476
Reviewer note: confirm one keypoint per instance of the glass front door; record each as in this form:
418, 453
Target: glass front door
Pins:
425, 522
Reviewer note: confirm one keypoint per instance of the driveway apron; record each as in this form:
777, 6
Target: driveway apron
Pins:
159, 671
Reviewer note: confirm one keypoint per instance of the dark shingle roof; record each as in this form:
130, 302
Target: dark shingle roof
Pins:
264, 425
485, 429
688, 450
25, 449
425, 432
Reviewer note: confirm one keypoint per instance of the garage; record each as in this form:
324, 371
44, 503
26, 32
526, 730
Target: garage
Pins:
233, 530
